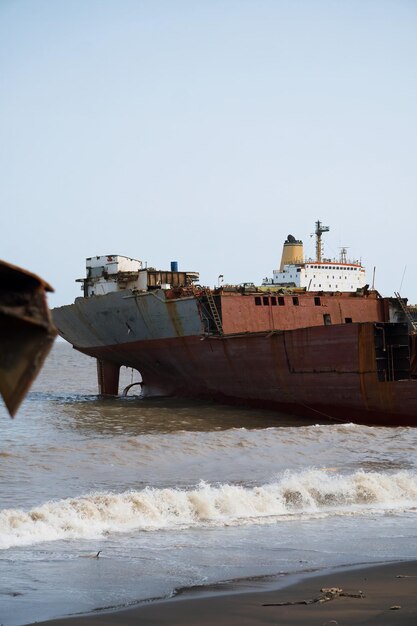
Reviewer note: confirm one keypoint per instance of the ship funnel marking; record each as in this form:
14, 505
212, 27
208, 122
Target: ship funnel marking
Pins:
292, 252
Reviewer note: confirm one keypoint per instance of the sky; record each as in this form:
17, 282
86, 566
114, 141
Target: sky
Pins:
205, 132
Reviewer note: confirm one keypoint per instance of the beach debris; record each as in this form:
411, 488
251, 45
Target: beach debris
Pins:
327, 594
405, 576
395, 607
91, 556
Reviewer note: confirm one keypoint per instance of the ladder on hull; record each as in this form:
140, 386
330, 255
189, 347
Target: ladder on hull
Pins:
406, 312
214, 311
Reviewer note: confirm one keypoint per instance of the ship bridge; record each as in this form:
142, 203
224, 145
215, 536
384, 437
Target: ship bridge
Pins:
320, 274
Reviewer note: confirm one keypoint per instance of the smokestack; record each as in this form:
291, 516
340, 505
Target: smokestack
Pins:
292, 252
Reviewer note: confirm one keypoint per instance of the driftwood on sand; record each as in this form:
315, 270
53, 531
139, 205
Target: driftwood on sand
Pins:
327, 594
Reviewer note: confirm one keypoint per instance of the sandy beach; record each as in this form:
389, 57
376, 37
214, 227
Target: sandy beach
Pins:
383, 594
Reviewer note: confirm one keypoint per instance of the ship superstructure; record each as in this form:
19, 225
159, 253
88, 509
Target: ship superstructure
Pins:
114, 272
319, 274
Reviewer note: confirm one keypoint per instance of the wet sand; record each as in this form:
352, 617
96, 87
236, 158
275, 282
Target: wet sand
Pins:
383, 595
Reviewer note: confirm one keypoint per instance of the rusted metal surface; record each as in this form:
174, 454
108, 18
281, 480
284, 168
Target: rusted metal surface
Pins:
260, 312
327, 372
333, 356
26, 331
108, 374
123, 316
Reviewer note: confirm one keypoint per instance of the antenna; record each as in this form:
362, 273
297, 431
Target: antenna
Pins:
402, 279
320, 229
343, 255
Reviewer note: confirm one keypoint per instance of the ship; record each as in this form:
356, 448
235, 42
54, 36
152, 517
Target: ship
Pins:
314, 340
26, 331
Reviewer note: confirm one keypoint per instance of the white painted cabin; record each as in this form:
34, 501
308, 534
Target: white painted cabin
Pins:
320, 275
324, 276
114, 272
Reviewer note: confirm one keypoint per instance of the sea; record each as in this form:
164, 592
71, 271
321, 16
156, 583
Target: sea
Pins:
106, 503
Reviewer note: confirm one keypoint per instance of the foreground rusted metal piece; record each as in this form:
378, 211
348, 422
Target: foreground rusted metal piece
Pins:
26, 331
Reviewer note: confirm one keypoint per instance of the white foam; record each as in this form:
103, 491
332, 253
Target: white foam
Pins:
292, 494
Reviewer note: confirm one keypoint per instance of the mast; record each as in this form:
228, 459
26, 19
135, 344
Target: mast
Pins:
320, 229
343, 255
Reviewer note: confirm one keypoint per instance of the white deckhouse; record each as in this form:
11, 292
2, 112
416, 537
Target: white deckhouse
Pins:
316, 275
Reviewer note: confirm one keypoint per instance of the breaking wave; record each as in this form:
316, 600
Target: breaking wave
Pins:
292, 495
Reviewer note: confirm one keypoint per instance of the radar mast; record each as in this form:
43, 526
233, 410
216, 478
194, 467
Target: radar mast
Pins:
320, 229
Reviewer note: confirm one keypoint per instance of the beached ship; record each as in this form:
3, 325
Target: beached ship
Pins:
26, 331
313, 340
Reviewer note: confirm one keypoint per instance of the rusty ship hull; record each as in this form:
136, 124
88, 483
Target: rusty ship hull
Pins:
336, 356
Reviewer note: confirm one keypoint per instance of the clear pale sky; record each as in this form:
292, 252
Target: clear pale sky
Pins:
205, 132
